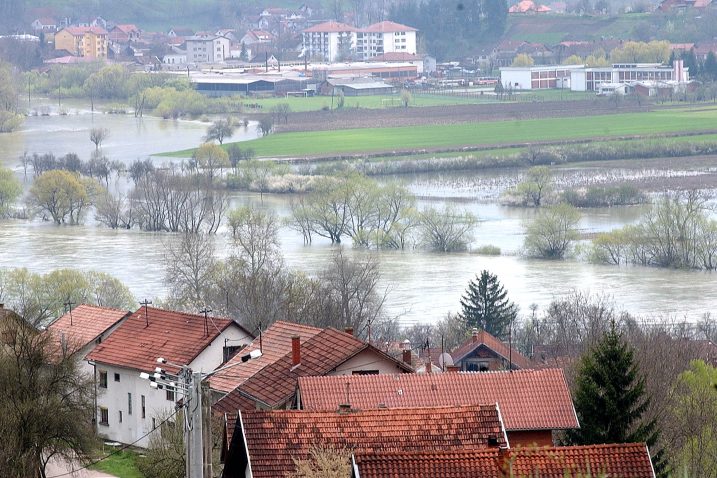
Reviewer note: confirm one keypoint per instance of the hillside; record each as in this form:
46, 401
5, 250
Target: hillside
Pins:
552, 29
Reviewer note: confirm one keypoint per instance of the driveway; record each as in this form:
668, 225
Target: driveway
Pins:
58, 468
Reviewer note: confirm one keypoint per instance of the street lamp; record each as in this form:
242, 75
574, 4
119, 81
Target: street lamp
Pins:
190, 384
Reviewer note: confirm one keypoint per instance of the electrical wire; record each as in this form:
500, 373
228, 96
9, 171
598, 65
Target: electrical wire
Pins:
119, 450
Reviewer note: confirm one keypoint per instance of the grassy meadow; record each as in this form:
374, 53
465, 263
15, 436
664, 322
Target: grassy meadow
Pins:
605, 127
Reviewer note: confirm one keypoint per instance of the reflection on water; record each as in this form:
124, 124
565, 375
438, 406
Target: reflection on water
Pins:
423, 286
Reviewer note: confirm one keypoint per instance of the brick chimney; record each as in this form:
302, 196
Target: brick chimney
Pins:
406, 357
349, 330
295, 350
452, 368
429, 365
475, 335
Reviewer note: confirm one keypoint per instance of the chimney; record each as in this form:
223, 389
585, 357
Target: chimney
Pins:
344, 408
295, 350
452, 368
406, 348
349, 330
429, 365
475, 335
407, 357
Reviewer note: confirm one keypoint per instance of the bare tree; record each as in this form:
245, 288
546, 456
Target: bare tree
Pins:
446, 230
98, 136
189, 265
256, 236
220, 130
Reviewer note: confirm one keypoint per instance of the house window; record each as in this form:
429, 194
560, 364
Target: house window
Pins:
170, 393
129, 403
120, 416
104, 417
230, 351
117, 377
144, 410
103, 379
154, 423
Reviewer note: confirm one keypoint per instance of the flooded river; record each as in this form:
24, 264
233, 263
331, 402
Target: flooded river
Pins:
422, 286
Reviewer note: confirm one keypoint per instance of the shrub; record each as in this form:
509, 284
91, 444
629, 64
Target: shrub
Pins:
488, 250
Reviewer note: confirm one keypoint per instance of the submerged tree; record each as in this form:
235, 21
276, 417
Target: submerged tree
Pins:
552, 232
486, 306
610, 399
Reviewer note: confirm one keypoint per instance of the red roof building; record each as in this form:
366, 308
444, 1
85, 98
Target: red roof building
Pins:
330, 27
128, 408
387, 27
483, 352
265, 444
273, 382
528, 6
125, 33
533, 403
630, 460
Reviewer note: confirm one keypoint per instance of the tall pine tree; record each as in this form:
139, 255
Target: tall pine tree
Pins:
610, 400
486, 306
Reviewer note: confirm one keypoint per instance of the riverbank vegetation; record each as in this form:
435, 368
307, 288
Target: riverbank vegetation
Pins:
10, 117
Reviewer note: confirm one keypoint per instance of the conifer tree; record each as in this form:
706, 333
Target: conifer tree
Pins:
486, 306
610, 399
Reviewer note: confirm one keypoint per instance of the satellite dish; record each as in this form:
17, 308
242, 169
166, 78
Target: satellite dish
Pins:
445, 360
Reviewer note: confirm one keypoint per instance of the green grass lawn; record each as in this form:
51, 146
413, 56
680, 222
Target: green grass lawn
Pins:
300, 144
121, 465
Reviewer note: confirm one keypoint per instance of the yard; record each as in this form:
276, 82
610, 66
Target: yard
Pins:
121, 465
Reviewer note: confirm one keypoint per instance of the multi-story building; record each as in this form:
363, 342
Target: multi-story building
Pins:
385, 37
207, 49
329, 41
88, 42
127, 408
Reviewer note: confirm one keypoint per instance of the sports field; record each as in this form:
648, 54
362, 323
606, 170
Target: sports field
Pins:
603, 127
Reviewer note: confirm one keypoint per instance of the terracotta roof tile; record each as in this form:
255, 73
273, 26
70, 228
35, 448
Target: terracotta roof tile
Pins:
484, 338
330, 27
176, 336
631, 460
622, 460
77, 31
528, 399
275, 343
481, 463
275, 384
274, 439
387, 27
88, 322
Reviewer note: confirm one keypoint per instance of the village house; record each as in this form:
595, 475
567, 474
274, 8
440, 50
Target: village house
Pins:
125, 33
528, 7
483, 352
626, 460
128, 409
207, 49
534, 404
290, 351
264, 444
86, 42
44, 24
83, 328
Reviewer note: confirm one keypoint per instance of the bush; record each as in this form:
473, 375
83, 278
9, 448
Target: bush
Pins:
488, 250
604, 196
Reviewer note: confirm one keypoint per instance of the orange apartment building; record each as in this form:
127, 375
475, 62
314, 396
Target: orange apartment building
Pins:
89, 42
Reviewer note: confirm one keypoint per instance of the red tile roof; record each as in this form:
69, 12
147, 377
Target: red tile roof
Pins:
622, 460
387, 27
176, 336
631, 460
78, 31
275, 439
275, 384
330, 27
481, 463
127, 28
484, 338
528, 399
275, 344
88, 322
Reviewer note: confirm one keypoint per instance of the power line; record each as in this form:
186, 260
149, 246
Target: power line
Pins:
123, 448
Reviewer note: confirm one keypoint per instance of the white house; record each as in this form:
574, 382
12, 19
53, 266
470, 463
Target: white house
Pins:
84, 327
207, 49
128, 409
44, 24
329, 41
175, 58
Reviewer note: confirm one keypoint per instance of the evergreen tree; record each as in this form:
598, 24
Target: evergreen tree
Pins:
709, 68
610, 400
486, 306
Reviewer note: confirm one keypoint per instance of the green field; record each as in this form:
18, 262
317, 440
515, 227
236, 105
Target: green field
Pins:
315, 103
302, 144
122, 465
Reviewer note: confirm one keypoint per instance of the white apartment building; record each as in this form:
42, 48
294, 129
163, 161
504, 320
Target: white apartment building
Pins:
385, 37
334, 41
207, 49
127, 408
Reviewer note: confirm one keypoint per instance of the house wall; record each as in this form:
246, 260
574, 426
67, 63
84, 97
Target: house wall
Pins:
221, 49
518, 79
530, 438
115, 397
367, 360
65, 40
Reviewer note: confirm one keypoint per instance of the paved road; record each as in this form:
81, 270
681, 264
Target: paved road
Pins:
60, 468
